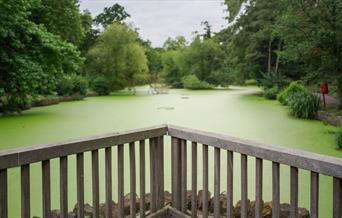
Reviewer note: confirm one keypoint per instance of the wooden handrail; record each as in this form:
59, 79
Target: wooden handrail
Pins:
36, 153
322, 164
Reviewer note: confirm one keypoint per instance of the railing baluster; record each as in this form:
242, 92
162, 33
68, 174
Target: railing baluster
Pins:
275, 190
230, 160
121, 180
294, 193
217, 183
80, 184
25, 190
3, 194
205, 181
314, 194
63, 185
160, 173
337, 197
108, 175
194, 180
183, 180
176, 173
132, 179
153, 174
46, 188
95, 182
142, 178
258, 187
244, 187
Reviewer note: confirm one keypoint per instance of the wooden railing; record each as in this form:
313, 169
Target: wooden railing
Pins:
23, 157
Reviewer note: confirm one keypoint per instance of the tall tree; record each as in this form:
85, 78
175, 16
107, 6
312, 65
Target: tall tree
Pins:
119, 57
60, 17
110, 15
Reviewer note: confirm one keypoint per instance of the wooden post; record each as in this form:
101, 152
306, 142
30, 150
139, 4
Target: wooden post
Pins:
3, 194
108, 177
183, 176
258, 187
205, 182
80, 184
244, 186
194, 181
142, 177
314, 194
95, 183
121, 180
176, 173
230, 160
217, 209
25, 190
275, 190
63, 168
294, 193
132, 179
46, 188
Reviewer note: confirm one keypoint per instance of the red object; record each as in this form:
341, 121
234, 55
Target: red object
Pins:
324, 88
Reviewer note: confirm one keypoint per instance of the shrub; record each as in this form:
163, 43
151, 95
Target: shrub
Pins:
71, 85
271, 93
304, 105
101, 86
293, 88
251, 82
192, 82
339, 138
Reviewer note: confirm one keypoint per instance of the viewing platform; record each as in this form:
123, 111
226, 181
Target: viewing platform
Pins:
182, 202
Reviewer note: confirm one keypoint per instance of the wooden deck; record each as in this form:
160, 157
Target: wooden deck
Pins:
182, 140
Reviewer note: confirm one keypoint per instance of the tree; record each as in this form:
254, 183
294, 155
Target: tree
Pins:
31, 59
61, 18
110, 15
175, 44
119, 57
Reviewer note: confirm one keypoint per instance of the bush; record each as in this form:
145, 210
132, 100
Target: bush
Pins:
101, 86
304, 105
339, 138
71, 85
293, 88
251, 82
271, 93
192, 82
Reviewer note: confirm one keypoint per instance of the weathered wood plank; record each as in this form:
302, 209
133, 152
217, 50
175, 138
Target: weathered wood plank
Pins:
25, 191
194, 180
326, 165
108, 178
36, 153
183, 176
80, 184
337, 198
3, 194
205, 181
95, 183
176, 173
244, 186
294, 193
142, 177
230, 161
314, 194
217, 183
132, 179
153, 174
258, 187
160, 173
63, 186
46, 183
275, 190
121, 180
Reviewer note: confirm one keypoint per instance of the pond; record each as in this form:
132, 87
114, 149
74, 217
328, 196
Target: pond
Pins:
238, 112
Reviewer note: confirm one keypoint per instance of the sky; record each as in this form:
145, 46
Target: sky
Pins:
159, 19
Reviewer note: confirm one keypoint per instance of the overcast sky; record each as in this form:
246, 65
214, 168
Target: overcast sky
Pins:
159, 19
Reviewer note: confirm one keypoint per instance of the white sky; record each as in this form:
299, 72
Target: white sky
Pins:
159, 19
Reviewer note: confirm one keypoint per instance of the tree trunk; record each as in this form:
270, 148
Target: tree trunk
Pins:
339, 92
278, 58
269, 55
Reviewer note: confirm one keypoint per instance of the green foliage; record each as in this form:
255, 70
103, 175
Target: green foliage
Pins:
271, 79
119, 57
101, 85
110, 15
175, 44
171, 70
338, 138
285, 95
61, 18
251, 82
31, 58
271, 93
304, 105
72, 85
192, 82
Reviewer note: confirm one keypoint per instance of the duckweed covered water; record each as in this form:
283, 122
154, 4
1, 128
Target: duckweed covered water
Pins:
238, 112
